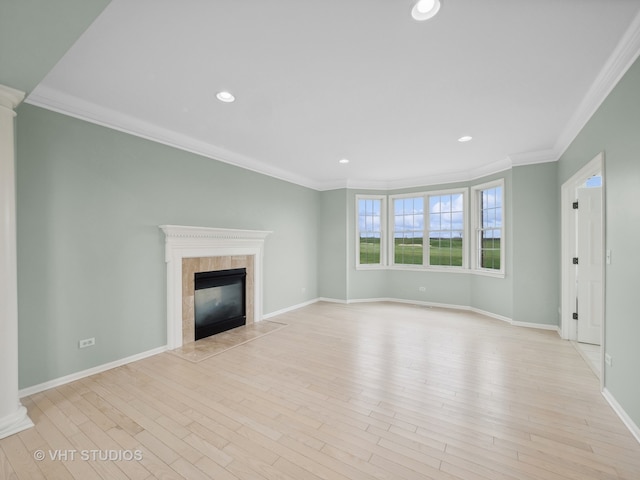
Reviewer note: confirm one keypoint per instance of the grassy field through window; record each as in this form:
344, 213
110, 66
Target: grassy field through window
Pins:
445, 251
409, 251
490, 253
369, 250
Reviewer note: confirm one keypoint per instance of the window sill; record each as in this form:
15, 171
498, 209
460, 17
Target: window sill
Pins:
488, 273
417, 268
371, 267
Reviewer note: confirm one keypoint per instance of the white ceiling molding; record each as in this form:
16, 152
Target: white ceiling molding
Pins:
59, 102
10, 97
442, 179
625, 54
619, 62
531, 158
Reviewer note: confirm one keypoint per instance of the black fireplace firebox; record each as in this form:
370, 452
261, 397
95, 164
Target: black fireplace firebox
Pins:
220, 301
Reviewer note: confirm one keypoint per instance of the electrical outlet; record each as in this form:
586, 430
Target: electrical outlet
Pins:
87, 342
608, 360
422, 289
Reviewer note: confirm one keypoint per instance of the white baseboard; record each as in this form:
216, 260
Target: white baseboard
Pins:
541, 326
515, 323
332, 300
396, 300
626, 419
56, 382
495, 316
267, 316
15, 422
370, 300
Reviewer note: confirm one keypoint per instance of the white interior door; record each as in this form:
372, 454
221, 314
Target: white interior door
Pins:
590, 265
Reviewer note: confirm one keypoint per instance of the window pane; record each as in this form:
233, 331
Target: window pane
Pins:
457, 202
446, 227
457, 221
490, 251
408, 230
594, 181
490, 228
408, 249
434, 221
446, 251
369, 226
369, 250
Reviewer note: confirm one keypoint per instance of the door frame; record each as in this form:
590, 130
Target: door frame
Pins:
568, 195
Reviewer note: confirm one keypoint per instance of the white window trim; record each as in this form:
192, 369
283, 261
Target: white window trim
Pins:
425, 265
383, 233
475, 228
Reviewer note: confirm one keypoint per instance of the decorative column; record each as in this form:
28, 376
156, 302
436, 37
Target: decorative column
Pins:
13, 416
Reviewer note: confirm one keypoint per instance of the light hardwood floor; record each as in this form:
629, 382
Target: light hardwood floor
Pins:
361, 391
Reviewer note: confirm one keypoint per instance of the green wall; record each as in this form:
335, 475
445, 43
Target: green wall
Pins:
332, 251
615, 130
91, 255
535, 246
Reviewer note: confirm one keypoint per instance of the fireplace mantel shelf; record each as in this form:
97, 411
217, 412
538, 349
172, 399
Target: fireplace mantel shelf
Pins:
191, 242
179, 231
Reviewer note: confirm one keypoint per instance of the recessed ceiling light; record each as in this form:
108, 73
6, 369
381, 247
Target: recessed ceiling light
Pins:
425, 9
343, 161
466, 138
225, 97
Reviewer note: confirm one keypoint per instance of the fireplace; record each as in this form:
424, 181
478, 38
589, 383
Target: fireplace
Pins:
219, 301
191, 250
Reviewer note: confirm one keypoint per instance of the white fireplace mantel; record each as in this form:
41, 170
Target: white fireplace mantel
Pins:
192, 242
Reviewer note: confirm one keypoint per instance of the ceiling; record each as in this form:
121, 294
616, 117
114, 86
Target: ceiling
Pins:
356, 79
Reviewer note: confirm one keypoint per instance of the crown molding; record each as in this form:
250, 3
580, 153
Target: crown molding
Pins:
439, 179
623, 56
532, 158
489, 169
10, 97
59, 102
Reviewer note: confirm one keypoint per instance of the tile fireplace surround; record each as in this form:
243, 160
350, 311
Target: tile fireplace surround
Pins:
197, 249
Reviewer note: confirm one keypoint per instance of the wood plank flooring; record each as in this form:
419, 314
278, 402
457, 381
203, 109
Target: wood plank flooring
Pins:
343, 392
